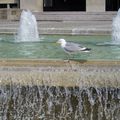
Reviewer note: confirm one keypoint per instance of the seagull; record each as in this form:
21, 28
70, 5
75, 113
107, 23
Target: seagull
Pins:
71, 47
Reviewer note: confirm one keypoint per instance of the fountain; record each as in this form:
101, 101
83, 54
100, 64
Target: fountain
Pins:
57, 89
83, 92
27, 31
116, 29
115, 32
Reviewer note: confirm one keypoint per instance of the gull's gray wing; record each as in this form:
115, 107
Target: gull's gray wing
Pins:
73, 47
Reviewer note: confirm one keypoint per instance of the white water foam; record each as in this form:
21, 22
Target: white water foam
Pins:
27, 31
116, 29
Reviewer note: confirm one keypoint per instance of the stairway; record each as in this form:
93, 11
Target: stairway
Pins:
67, 23
75, 23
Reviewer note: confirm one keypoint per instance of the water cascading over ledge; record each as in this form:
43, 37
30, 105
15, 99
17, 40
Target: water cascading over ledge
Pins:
59, 90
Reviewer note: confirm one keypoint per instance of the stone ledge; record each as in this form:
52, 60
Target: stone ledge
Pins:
60, 73
55, 62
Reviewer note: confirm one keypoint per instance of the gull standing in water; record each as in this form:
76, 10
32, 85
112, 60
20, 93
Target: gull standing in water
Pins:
71, 48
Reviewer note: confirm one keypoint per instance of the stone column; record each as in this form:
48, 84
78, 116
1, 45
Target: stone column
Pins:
95, 5
33, 5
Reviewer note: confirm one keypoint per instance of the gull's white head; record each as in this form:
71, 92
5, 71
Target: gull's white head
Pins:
62, 42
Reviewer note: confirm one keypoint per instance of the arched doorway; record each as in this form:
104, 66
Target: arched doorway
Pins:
112, 5
64, 5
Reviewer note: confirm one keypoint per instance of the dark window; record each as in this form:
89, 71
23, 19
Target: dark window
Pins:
64, 5
13, 5
112, 5
3, 5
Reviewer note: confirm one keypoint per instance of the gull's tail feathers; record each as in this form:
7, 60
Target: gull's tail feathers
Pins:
87, 50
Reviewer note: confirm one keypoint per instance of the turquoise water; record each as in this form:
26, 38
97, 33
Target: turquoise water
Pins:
48, 49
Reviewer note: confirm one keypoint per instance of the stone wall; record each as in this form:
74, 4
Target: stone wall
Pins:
37, 5
33, 5
95, 5
10, 14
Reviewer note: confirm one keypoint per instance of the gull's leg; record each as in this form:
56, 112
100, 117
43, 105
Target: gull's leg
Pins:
68, 56
71, 56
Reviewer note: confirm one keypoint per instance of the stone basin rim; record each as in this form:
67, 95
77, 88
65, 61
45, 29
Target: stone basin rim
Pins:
22, 72
55, 62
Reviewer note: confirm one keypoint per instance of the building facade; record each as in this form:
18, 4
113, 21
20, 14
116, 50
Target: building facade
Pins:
62, 5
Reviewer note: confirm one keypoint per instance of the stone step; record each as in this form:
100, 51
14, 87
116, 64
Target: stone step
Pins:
71, 16
74, 16
63, 31
59, 24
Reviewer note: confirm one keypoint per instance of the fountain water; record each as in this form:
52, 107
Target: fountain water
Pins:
115, 32
116, 29
27, 31
36, 95
59, 103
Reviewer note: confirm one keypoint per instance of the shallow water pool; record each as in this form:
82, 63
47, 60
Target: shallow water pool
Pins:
47, 48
